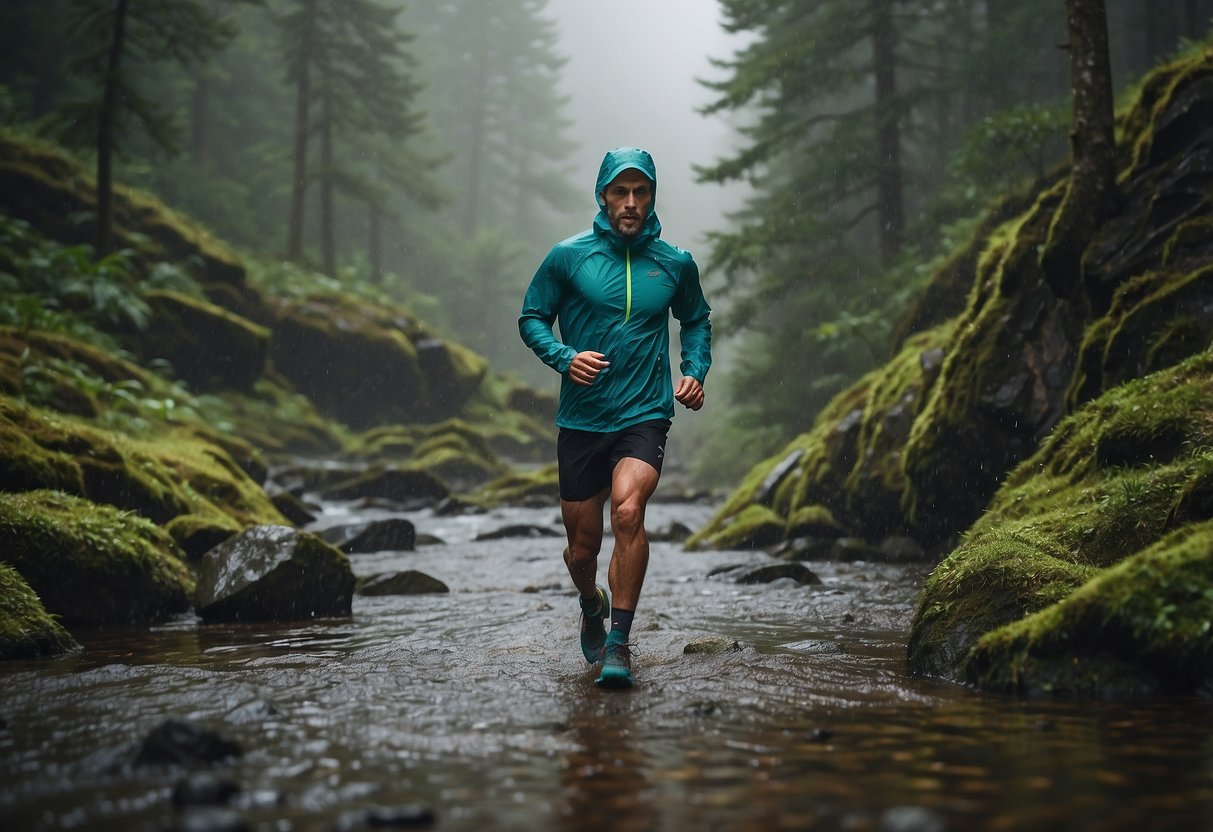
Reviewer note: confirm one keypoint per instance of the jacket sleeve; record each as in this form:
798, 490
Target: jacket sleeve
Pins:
692, 311
540, 306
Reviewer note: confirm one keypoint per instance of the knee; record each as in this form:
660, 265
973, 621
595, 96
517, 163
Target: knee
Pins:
628, 517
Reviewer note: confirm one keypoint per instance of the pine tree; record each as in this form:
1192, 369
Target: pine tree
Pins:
492, 91
129, 35
349, 59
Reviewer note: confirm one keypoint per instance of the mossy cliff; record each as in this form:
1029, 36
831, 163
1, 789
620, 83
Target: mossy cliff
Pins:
133, 443
921, 447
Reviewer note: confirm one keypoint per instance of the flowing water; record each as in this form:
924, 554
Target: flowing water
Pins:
478, 706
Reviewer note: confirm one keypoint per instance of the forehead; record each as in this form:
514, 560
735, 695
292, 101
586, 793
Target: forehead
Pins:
629, 178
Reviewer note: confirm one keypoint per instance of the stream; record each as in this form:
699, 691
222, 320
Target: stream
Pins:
477, 706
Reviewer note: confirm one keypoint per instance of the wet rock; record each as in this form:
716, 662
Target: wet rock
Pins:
273, 573
814, 520
820, 735
393, 534
765, 493
210, 819
179, 742
911, 819
452, 506
209, 347
292, 508
408, 582
519, 530
711, 646
204, 788
767, 573
702, 709
674, 532
253, 711
427, 539
386, 817
805, 548
397, 484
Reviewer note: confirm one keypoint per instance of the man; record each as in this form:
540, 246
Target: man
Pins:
613, 289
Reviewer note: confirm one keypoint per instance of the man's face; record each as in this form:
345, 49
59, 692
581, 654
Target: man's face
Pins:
628, 199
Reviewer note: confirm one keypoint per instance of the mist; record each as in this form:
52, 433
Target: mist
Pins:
633, 79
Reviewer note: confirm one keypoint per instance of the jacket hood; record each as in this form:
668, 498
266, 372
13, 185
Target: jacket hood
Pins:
614, 163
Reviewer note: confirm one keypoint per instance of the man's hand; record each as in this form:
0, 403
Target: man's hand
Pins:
689, 393
586, 366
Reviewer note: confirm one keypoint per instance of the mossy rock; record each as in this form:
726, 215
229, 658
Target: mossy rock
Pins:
48, 188
1123, 487
27, 631
1143, 627
753, 528
196, 535
815, 521
162, 476
538, 487
208, 347
281, 421
355, 362
92, 564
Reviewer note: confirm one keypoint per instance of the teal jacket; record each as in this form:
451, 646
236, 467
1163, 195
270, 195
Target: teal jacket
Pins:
615, 296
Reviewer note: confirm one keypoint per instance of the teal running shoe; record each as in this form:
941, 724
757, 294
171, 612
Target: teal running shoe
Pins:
616, 664
593, 631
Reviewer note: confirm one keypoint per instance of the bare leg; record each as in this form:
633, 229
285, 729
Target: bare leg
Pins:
583, 526
632, 484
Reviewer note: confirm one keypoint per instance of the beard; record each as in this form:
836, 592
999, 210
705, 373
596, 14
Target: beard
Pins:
627, 225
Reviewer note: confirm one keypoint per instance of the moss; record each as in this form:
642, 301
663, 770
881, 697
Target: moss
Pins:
26, 629
1141, 626
539, 485
754, 527
1128, 478
815, 520
168, 474
90, 563
47, 187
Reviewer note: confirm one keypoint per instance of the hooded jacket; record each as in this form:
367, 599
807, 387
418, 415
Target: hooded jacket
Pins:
614, 295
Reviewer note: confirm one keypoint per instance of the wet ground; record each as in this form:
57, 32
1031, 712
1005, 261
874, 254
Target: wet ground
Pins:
477, 706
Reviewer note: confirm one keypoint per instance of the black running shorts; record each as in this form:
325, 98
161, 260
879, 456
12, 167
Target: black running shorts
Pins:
586, 459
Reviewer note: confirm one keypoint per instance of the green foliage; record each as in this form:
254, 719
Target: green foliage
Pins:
46, 285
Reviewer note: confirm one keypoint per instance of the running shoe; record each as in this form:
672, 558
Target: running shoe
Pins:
616, 663
593, 631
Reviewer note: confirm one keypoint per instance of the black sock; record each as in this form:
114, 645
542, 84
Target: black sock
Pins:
621, 621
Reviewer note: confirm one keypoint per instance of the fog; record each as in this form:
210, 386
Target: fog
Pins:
633, 78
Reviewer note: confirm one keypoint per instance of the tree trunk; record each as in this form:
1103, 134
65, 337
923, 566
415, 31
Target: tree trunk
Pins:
1091, 195
479, 126
303, 99
105, 134
890, 210
328, 239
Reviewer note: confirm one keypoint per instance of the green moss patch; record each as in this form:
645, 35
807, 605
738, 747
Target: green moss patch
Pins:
26, 629
1041, 596
92, 564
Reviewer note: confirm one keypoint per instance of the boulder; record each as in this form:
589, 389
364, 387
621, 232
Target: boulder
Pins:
273, 573
92, 564
401, 485
394, 533
407, 582
208, 347
26, 630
